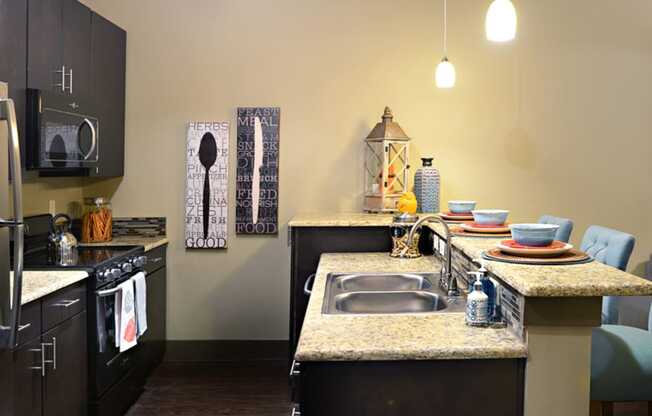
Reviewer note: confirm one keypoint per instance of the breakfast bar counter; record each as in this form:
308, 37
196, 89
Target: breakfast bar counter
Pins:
554, 310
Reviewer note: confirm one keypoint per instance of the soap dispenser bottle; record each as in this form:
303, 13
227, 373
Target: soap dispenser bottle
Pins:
489, 288
477, 305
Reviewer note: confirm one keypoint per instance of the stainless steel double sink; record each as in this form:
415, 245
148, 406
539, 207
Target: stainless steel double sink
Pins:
386, 293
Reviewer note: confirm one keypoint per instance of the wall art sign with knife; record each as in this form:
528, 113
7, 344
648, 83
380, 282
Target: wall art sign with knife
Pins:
207, 162
256, 208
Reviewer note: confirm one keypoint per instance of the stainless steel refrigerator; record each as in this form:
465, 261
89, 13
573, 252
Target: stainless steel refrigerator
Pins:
11, 223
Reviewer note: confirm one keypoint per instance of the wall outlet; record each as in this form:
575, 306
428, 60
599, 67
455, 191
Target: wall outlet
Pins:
52, 207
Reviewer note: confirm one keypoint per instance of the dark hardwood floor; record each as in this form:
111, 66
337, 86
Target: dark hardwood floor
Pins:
237, 388
225, 388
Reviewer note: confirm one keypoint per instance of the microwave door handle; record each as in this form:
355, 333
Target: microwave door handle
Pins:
93, 138
8, 112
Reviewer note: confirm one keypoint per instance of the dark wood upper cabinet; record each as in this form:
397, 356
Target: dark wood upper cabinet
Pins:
108, 64
13, 46
59, 46
45, 45
77, 47
64, 391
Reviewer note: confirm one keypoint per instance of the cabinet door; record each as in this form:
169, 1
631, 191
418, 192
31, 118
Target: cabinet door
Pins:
109, 44
13, 49
77, 47
27, 379
65, 389
45, 44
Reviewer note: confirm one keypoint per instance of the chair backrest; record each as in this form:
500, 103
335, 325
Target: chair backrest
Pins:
613, 248
565, 226
608, 246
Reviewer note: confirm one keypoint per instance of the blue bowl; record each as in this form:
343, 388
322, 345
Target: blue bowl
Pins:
461, 207
535, 235
490, 216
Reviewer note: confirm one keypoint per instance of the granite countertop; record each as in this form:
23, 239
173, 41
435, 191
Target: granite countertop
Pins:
149, 243
589, 279
347, 219
37, 284
433, 336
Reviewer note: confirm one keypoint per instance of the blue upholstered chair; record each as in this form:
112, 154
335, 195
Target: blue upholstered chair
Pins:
621, 366
565, 226
613, 248
621, 356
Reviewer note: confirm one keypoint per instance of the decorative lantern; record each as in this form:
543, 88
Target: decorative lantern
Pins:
386, 165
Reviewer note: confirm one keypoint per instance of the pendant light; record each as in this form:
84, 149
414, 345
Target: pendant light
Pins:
501, 21
445, 73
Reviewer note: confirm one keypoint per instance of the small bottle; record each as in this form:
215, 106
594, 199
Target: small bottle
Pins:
489, 289
476, 306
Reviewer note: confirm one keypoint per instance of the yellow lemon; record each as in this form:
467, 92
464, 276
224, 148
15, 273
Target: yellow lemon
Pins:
408, 203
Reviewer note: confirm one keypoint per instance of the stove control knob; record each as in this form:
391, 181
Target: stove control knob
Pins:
126, 267
139, 261
115, 273
102, 276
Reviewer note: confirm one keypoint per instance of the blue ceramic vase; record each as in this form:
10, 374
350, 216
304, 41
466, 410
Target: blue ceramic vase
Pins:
427, 186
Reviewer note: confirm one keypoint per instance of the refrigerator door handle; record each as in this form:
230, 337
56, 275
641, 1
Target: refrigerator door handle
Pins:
8, 112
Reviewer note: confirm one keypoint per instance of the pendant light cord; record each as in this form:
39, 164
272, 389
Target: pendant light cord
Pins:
445, 29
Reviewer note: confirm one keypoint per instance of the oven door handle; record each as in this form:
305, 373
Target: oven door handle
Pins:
107, 292
93, 138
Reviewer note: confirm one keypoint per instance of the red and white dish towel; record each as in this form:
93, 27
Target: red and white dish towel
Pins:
130, 312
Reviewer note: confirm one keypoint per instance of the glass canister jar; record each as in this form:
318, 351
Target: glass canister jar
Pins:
400, 230
97, 220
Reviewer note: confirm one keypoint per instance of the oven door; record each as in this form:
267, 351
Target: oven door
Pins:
109, 365
68, 140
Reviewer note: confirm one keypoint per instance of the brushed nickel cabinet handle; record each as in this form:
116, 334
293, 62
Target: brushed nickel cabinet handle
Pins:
52, 344
70, 81
66, 303
61, 85
294, 369
307, 287
42, 367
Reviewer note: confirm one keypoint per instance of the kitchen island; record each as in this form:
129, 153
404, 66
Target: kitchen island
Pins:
550, 328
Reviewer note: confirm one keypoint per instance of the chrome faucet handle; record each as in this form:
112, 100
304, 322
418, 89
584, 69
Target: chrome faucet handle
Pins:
453, 289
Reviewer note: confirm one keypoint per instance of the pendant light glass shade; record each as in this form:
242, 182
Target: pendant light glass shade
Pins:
445, 74
501, 21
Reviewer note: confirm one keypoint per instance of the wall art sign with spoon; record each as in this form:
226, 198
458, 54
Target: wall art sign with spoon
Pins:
207, 166
256, 198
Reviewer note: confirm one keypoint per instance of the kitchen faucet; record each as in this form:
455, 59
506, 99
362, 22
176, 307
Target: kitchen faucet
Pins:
447, 281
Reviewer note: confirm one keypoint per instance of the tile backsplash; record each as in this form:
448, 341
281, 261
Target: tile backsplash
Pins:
139, 226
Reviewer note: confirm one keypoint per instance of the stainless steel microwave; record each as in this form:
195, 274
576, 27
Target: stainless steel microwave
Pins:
61, 133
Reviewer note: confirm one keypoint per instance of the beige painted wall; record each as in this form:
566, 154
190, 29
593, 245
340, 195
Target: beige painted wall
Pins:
67, 194
557, 122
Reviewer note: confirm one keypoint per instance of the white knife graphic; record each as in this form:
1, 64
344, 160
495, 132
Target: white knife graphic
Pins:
258, 164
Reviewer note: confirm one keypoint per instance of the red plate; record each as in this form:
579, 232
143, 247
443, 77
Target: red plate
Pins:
485, 228
456, 217
557, 248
